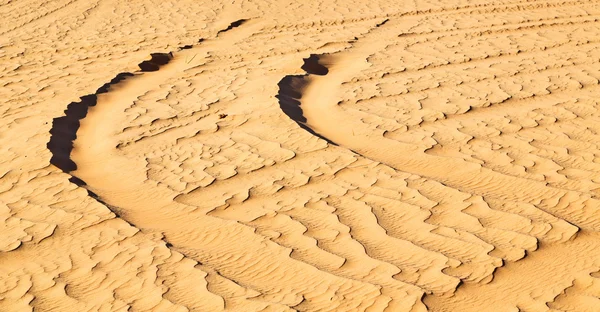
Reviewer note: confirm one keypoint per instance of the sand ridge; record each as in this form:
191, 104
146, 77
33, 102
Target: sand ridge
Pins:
262, 156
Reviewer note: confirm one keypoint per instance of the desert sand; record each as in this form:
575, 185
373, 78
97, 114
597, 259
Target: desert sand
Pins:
261, 155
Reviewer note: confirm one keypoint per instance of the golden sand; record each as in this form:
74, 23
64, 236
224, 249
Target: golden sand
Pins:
299, 156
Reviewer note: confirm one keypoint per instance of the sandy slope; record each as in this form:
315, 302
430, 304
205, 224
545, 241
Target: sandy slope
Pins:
299, 156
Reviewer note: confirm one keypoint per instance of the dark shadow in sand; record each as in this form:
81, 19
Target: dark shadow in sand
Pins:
233, 25
64, 129
290, 93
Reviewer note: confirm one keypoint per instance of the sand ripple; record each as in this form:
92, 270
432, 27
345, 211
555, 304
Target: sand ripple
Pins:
261, 156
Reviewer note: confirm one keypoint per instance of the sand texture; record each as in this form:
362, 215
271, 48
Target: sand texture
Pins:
262, 155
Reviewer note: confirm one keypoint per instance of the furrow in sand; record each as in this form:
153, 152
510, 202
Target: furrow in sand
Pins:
84, 145
312, 101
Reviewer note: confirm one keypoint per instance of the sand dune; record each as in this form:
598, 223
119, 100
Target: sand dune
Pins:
299, 156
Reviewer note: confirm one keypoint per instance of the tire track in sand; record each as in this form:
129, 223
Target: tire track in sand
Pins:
311, 100
83, 145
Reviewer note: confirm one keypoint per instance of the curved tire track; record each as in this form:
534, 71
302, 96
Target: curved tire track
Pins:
83, 145
310, 100
314, 106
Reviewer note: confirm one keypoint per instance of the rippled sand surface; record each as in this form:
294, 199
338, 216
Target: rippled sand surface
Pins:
299, 155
